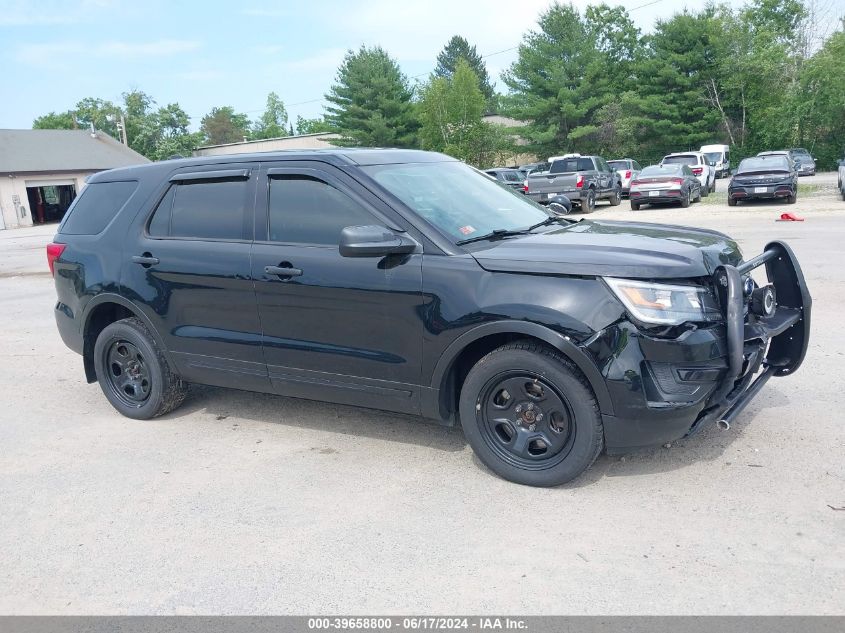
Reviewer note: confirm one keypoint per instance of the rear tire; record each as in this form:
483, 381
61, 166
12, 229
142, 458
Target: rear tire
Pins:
530, 415
792, 199
588, 204
635, 206
134, 373
732, 201
705, 191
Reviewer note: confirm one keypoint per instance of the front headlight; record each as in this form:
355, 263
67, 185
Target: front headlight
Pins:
665, 304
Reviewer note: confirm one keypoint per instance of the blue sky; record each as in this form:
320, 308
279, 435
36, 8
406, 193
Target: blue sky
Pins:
212, 53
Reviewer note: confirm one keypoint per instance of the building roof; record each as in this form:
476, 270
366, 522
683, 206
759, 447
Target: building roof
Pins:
276, 138
37, 151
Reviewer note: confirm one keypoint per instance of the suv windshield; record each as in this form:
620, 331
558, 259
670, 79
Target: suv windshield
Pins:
456, 199
686, 159
714, 157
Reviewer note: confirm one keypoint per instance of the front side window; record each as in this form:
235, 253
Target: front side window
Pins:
456, 199
306, 210
205, 210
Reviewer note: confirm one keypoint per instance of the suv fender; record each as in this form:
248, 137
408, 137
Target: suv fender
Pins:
559, 341
88, 346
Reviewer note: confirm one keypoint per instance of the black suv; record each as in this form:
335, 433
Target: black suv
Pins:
410, 282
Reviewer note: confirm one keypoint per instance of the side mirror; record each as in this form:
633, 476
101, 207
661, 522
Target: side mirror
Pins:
373, 241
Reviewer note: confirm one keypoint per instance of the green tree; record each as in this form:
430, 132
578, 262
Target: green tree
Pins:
224, 125
137, 110
450, 109
371, 102
165, 132
311, 126
549, 83
457, 49
273, 122
55, 121
105, 115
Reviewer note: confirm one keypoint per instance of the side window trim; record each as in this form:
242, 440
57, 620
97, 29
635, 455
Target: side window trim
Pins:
249, 174
262, 232
220, 174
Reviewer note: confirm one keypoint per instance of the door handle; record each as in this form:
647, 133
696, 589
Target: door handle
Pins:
283, 271
145, 260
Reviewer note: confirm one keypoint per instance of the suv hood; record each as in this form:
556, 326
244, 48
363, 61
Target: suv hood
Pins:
615, 249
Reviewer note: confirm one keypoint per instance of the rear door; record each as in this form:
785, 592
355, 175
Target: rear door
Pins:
335, 328
188, 268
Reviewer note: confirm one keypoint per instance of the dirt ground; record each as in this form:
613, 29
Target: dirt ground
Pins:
240, 503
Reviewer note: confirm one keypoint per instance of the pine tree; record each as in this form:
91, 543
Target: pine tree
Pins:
371, 102
456, 49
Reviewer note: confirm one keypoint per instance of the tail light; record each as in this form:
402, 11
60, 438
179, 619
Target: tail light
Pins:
635, 183
579, 182
54, 251
678, 181
697, 170
627, 174
525, 186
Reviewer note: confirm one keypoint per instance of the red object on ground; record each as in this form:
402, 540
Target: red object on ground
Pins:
789, 217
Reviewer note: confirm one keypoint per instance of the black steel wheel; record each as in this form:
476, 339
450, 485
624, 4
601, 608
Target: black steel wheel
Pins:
133, 371
128, 376
530, 415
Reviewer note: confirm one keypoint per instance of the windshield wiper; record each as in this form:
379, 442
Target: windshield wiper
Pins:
552, 219
499, 233
492, 235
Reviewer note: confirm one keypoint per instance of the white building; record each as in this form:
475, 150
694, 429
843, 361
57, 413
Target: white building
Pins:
42, 171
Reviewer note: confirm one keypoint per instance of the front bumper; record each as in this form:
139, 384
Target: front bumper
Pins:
666, 389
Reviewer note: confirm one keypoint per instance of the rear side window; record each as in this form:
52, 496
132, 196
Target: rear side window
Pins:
98, 203
211, 209
512, 176
304, 210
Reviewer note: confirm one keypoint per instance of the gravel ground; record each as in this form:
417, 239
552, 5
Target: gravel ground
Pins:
241, 503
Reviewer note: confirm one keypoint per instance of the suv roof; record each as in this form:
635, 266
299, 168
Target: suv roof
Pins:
339, 156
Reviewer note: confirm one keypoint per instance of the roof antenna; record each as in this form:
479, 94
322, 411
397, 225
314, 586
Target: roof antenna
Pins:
93, 131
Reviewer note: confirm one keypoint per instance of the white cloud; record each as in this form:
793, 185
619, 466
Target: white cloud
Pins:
66, 53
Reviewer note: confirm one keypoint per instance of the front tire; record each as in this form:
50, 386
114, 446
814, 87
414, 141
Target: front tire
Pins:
685, 202
134, 373
616, 197
530, 416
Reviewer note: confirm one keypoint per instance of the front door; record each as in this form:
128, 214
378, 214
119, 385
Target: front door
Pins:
188, 269
341, 329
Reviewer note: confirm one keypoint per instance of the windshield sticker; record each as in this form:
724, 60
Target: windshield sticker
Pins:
466, 230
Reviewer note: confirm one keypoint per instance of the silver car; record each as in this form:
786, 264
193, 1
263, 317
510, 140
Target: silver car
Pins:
628, 170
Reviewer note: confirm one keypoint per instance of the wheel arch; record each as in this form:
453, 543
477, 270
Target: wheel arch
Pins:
101, 311
467, 349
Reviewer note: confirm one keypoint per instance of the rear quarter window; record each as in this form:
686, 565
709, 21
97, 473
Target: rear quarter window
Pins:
97, 205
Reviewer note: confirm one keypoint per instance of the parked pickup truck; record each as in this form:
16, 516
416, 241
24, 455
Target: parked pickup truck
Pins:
582, 179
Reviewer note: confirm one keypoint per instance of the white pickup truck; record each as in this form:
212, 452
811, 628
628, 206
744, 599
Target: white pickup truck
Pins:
842, 178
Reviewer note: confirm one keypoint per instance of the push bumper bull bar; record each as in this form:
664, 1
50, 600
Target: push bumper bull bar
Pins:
786, 331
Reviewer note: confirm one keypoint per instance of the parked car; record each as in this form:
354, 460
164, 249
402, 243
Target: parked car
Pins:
764, 176
720, 156
700, 166
628, 170
534, 167
806, 162
841, 175
582, 179
665, 184
408, 281
513, 178
790, 157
